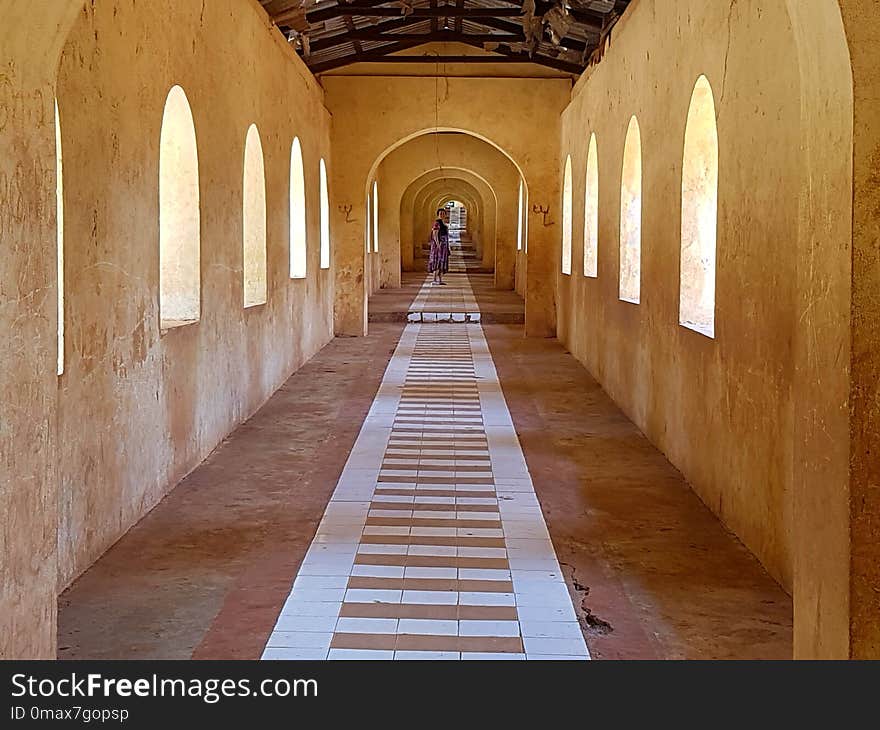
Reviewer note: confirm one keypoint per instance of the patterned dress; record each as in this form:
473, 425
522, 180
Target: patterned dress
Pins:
438, 258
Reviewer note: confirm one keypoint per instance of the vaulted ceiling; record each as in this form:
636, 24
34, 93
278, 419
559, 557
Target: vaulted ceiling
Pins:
566, 35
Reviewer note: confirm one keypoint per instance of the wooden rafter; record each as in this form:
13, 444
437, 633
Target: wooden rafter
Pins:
435, 21
511, 32
370, 30
509, 27
441, 36
380, 12
507, 56
349, 24
338, 38
365, 57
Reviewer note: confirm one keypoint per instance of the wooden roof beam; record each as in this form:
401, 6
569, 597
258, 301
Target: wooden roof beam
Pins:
316, 16
441, 36
366, 57
509, 27
508, 57
329, 41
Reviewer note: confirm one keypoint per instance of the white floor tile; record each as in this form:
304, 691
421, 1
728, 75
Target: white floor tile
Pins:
290, 654
489, 628
299, 640
350, 625
359, 654
428, 627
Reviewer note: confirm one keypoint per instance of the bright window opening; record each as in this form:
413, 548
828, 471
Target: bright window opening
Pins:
298, 247
591, 212
368, 227
519, 219
254, 220
325, 218
631, 216
566, 218
699, 212
179, 217
59, 224
376, 217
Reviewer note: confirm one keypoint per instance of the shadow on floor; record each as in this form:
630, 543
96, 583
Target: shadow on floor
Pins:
652, 571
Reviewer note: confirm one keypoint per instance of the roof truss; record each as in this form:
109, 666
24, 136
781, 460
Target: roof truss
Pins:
335, 33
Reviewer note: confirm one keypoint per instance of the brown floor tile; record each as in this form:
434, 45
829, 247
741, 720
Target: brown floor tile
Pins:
487, 613
399, 610
453, 540
505, 644
428, 522
363, 641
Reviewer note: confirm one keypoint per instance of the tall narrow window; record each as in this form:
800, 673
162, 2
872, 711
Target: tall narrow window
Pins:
179, 218
298, 247
591, 212
254, 212
699, 212
566, 218
368, 227
631, 216
519, 219
376, 217
325, 218
59, 224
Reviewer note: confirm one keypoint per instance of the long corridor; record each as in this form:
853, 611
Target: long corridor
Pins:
433, 545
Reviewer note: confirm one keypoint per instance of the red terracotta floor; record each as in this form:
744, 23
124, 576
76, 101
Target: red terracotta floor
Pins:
652, 572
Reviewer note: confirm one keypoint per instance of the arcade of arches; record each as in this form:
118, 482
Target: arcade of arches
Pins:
638, 418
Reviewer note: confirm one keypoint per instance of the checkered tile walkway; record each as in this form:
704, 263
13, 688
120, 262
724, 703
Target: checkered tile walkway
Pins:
433, 545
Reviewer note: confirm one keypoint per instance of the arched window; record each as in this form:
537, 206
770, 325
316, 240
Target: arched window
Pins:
59, 226
566, 218
591, 212
298, 247
376, 217
519, 219
254, 220
631, 216
699, 212
179, 218
325, 218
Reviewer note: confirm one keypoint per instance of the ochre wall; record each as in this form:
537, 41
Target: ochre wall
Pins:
720, 409
862, 26
31, 36
158, 403
772, 421
374, 115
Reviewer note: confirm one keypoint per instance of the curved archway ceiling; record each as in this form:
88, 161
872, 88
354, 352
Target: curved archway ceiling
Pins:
566, 35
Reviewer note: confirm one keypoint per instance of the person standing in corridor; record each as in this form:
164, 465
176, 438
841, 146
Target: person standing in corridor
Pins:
438, 258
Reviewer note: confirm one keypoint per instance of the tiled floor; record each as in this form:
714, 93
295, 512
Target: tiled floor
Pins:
452, 301
493, 306
433, 545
